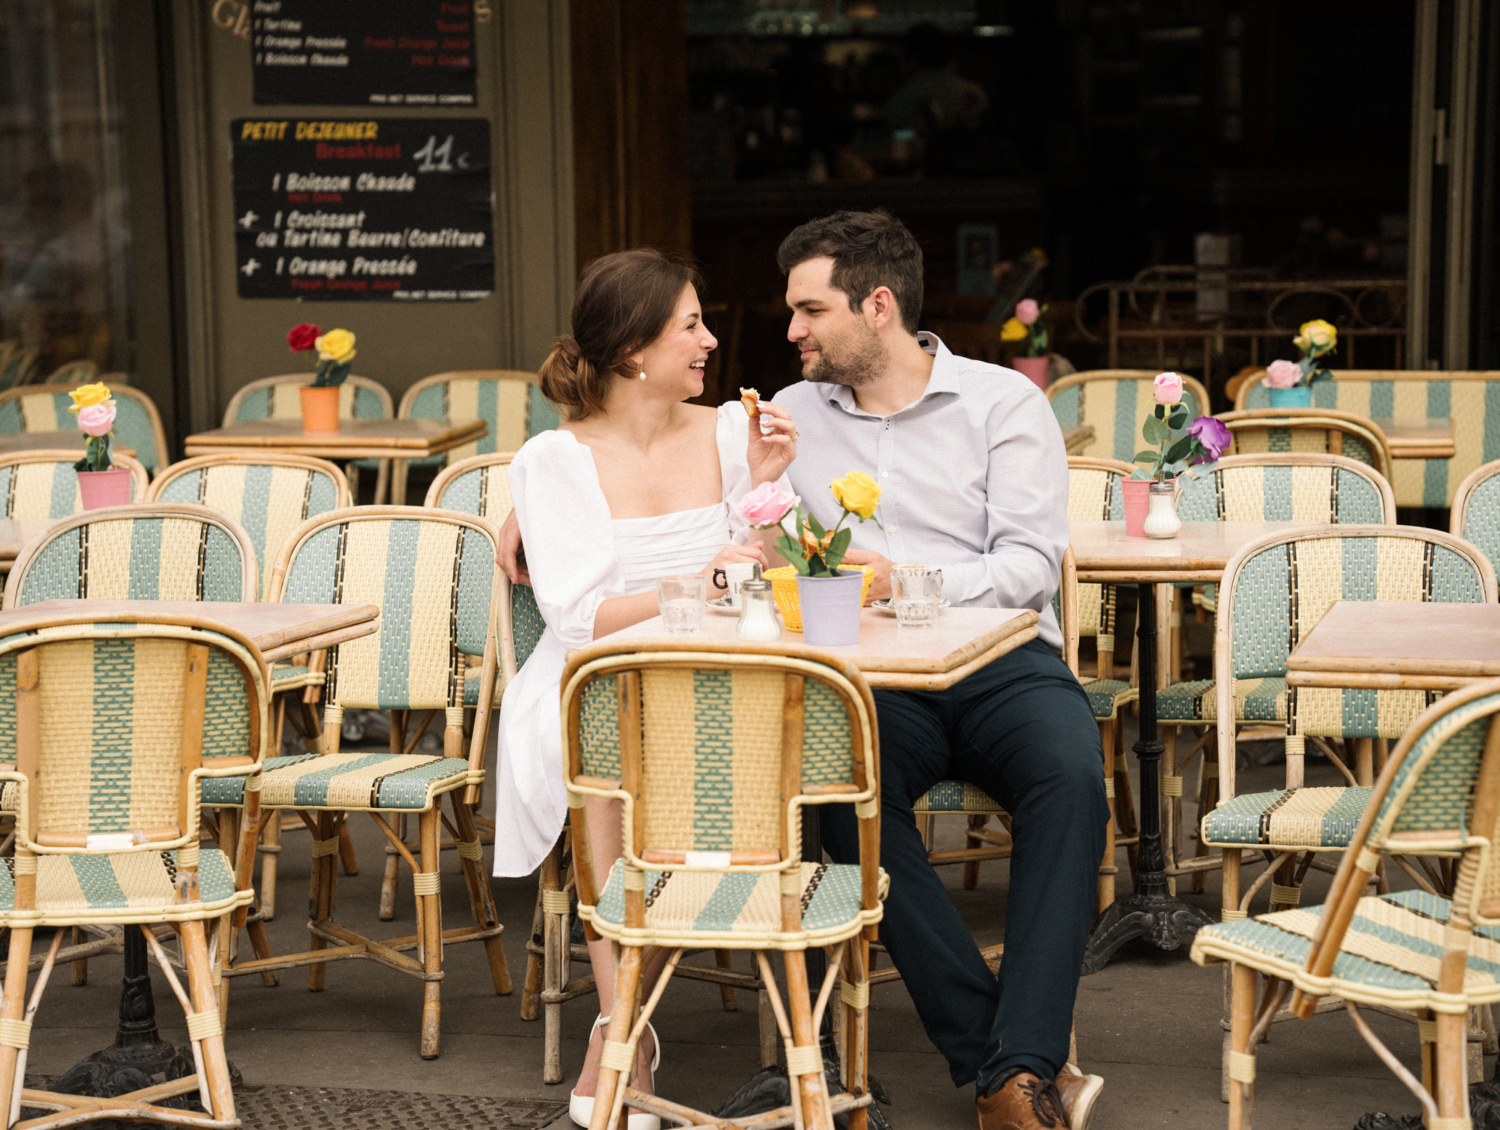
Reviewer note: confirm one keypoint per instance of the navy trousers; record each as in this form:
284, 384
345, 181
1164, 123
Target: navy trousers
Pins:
1021, 729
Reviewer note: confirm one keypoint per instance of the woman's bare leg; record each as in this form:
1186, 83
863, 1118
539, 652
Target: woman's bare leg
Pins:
605, 839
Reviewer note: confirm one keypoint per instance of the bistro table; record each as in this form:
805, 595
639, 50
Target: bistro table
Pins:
1076, 437
279, 630
70, 440
1429, 438
355, 439
888, 656
1399, 646
1104, 554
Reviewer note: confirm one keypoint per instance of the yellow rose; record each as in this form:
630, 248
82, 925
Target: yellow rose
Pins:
857, 493
86, 396
336, 346
1316, 338
1013, 330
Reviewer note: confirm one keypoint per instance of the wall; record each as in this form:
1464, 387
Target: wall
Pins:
522, 53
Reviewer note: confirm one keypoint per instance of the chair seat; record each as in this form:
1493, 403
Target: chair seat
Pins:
1390, 955
120, 888
1106, 696
293, 676
362, 781
736, 910
1255, 700
229, 792
957, 797
1287, 819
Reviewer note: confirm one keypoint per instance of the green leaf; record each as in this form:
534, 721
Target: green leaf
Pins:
1144, 457
1141, 474
1180, 450
1161, 411
792, 551
1154, 430
817, 527
837, 548
1179, 416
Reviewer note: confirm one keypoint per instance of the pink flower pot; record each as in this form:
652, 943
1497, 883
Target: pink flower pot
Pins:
1137, 502
98, 489
830, 609
1033, 367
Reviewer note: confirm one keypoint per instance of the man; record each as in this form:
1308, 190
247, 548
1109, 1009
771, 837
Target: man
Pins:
975, 481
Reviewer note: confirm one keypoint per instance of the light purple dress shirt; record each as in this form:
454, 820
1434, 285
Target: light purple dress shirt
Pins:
974, 475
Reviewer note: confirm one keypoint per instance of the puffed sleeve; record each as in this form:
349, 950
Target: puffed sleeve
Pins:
732, 436
567, 533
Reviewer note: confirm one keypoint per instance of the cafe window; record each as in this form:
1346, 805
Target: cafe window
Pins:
64, 230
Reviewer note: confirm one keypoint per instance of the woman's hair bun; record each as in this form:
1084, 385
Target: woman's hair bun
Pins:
566, 374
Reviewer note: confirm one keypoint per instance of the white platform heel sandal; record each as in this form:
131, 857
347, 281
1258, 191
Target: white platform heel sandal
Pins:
581, 1107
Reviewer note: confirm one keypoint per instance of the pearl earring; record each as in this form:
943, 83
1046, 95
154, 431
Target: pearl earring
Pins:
643, 374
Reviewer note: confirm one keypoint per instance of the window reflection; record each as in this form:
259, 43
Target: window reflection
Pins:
64, 239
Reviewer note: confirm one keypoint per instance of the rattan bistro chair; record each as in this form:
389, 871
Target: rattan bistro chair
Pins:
43, 484
1430, 956
1322, 431
137, 423
117, 728
433, 575
1476, 511
509, 401
1281, 487
278, 398
1116, 402
270, 495
713, 750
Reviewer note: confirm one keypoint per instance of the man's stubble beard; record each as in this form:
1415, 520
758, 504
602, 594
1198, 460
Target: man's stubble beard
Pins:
864, 362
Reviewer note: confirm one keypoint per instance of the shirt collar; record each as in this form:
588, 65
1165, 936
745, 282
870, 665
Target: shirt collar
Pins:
944, 378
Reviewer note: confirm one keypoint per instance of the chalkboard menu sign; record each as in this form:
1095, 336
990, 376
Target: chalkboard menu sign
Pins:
363, 52
386, 209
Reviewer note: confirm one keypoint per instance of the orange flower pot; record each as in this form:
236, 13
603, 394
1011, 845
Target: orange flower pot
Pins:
320, 409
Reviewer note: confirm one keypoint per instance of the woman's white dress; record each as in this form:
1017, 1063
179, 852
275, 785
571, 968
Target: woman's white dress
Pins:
579, 557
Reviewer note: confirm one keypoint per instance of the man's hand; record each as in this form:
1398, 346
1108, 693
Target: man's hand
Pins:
508, 553
880, 587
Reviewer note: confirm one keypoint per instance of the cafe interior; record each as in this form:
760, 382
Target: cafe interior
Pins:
277, 281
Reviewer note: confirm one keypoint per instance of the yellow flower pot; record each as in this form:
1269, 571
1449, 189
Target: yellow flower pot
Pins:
784, 589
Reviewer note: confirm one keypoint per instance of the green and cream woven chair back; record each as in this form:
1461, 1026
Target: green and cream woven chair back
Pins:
1095, 495
155, 551
112, 774
1115, 403
1308, 431
269, 496
714, 752
137, 424
43, 484
1275, 591
1462, 401
277, 398
509, 401
1476, 511
432, 573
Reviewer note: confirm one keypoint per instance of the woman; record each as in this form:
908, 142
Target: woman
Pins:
636, 484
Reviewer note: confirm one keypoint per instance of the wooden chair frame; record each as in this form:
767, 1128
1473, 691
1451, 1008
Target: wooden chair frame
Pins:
409, 399
382, 477
811, 1103
334, 942
119, 392
203, 514
1471, 482
204, 1004
1442, 1091
139, 479
1335, 422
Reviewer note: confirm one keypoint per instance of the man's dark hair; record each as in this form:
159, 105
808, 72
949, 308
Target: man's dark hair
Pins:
869, 250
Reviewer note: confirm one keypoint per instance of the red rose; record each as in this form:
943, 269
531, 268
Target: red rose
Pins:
302, 337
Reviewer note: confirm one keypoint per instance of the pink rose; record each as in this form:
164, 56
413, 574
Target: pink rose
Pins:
1027, 311
767, 505
1282, 374
1167, 388
97, 419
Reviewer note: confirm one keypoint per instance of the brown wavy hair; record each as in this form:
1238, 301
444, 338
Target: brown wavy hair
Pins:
624, 301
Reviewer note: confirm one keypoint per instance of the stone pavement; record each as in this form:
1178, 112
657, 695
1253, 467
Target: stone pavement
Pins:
347, 1057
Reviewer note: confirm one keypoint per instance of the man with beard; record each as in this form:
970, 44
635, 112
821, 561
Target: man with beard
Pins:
975, 482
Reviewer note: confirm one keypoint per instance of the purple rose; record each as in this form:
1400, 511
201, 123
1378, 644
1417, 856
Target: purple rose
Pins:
1211, 435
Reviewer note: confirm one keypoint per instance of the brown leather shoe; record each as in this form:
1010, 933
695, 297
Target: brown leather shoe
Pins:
1025, 1102
1079, 1093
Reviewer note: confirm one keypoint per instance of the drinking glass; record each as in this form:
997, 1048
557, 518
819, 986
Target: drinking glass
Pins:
915, 595
680, 599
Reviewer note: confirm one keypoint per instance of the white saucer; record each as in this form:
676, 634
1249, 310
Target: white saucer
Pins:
721, 605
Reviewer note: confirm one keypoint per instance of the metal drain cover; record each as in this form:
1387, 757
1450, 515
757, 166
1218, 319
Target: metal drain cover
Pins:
341, 1108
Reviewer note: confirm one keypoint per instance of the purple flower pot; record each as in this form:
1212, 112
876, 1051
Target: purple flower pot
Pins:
830, 609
